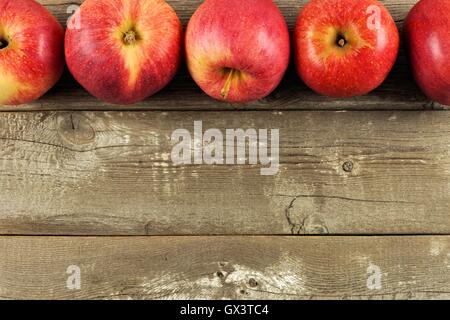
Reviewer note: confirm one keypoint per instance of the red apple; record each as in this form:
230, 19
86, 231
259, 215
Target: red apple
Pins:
237, 51
123, 51
427, 29
31, 51
345, 48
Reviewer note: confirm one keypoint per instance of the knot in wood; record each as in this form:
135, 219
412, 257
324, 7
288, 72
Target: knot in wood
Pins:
75, 128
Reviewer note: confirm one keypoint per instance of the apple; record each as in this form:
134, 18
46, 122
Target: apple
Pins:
237, 51
345, 48
427, 30
31, 51
123, 51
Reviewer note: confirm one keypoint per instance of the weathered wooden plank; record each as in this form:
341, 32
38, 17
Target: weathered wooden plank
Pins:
409, 267
185, 8
398, 92
111, 173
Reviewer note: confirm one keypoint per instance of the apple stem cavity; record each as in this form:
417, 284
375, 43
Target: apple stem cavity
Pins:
341, 41
130, 37
226, 88
3, 43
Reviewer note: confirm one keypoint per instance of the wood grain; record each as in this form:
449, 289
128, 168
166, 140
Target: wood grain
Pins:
398, 92
65, 171
110, 173
226, 267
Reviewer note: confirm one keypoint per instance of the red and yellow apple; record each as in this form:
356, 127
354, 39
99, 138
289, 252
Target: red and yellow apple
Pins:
123, 51
237, 51
31, 51
427, 30
345, 48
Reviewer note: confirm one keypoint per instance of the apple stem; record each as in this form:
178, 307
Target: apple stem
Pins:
226, 88
130, 37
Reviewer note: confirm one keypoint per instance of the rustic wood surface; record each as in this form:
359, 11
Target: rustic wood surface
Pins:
77, 166
111, 173
226, 267
398, 92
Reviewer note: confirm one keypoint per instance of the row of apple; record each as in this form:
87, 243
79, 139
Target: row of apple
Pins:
123, 51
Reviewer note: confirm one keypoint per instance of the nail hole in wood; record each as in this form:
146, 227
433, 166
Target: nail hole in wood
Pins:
347, 166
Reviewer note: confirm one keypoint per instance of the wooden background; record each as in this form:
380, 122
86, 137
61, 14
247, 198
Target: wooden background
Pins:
90, 184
